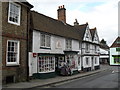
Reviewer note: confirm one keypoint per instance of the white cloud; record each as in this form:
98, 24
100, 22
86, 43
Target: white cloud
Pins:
103, 16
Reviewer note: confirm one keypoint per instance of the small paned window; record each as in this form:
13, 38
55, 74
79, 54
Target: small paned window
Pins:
46, 63
68, 44
12, 52
45, 41
14, 13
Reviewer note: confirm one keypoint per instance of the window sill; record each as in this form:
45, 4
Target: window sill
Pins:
10, 22
87, 51
45, 48
10, 65
47, 71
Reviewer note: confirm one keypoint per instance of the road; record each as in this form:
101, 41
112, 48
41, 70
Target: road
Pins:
105, 79
101, 80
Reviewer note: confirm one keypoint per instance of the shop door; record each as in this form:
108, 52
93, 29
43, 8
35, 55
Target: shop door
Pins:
59, 60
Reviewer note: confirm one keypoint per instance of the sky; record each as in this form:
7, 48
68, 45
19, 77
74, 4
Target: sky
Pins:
102, 14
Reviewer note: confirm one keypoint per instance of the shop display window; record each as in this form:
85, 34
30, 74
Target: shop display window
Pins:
46, 63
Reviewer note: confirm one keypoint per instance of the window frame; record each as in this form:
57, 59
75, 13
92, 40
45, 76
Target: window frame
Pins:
87, 47
68, 44
11, 22
18, 54
47, 43
87, 60
46, 64
96, 61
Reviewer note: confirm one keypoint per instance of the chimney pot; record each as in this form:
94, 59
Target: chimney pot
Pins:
62, 13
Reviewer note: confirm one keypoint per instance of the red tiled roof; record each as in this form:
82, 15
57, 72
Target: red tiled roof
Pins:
116, 43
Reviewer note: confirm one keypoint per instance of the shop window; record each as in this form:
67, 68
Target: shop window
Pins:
71, 61
116, 59
46, 64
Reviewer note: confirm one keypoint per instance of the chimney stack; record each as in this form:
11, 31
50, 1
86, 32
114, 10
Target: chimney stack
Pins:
76, 22
62, 13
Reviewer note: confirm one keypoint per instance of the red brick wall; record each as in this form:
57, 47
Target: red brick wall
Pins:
14, 32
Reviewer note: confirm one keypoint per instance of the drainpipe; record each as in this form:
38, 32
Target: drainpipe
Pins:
27, 51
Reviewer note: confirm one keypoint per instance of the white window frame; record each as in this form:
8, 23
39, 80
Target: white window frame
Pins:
46, 63
18, 54
68, 44
18, 13
87, 61
47, 43
96, 61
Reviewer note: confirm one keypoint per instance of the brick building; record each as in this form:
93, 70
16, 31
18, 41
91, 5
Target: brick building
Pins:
15, 27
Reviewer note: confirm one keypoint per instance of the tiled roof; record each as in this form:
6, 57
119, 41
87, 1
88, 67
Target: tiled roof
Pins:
81, 29
53, 26
116, 43
104, 46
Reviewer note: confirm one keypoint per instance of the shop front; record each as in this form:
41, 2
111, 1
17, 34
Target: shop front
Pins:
72, 59
59, 62
45, 66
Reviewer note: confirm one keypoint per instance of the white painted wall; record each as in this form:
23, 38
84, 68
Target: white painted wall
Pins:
84, 62
97, 58
113, 52
54, 41
32, 64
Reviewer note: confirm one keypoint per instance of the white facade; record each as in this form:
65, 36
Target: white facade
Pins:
113, 53
58, 46
54, 47
83, 54
90, 50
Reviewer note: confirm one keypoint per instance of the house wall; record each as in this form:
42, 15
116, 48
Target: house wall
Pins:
91, 54
113, 52
19, 33
84, 62
54, 49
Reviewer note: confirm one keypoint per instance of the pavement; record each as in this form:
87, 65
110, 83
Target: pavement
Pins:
58, 79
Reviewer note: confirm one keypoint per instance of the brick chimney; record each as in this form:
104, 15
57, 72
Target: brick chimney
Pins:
62, 13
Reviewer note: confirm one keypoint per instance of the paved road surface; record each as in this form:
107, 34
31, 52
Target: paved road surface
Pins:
105, 79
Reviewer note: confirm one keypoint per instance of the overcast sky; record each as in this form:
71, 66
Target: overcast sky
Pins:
102, 14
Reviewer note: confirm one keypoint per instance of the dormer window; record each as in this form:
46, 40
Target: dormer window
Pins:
14, 13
